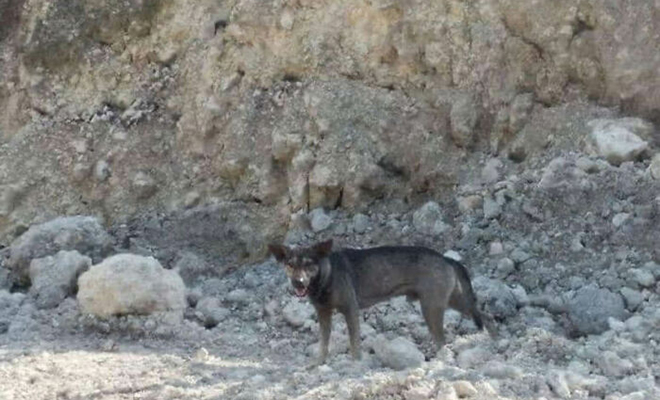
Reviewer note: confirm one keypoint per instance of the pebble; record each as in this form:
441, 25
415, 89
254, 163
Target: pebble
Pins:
201, 356
240, 296
464, 389
620, 219
495, 249
360, 223
491, 208
505, 267
320, 221
102, 171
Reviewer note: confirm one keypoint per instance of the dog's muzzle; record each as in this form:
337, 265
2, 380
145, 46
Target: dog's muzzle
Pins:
299, 287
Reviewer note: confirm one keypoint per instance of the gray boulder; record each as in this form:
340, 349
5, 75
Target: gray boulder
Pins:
54, 277
428, 219
210, 311
497, 298
192, 267
398, 354
590, 308
616, 140
81, 233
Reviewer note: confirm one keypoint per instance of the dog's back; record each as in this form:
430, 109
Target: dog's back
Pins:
380, 273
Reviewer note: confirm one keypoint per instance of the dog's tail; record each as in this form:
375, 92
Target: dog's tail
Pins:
465, 301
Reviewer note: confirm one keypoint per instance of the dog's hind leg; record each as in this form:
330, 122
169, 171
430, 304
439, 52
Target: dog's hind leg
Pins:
458, 302
434, 315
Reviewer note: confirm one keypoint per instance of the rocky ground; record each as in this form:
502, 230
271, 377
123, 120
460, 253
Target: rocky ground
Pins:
561, 251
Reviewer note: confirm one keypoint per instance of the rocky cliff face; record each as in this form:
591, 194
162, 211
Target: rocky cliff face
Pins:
122, 108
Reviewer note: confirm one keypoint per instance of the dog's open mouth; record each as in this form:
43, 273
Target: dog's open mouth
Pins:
300, 292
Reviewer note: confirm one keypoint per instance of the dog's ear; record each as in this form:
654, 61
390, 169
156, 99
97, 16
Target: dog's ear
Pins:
278, 251
323, 249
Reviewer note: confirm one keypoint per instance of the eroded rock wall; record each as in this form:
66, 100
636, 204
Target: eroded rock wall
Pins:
126, 107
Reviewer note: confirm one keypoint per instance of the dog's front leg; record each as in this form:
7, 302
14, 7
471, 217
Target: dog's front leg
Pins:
325, 324
352, 315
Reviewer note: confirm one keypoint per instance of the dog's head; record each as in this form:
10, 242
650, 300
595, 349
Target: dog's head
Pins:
301, 264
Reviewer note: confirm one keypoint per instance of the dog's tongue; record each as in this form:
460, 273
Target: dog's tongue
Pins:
301, 292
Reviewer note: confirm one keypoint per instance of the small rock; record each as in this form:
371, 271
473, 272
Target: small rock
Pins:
9, 198
453, 254
654, 168
616, 325
80, 172
491, 208
500, 370
193, 296
521, 295
519, 256
287, 19
191, 267
639, 395
54, 277
5, 279
469, 203
191, 199
201, 355
613, 365
398, 354
464, 389
472, 357
620, 219
491, 171
166, 55
421, 392
642, 277
487, 389
102, 171
505, 267
615, 141
360, 223
558, 384
211, 311
109, 346
320, 221
271, 308
296, 313
560, 173
130, 284
463, 117
587, 165
446, 391
239, 296
632, 297
521, 108
495, 249
428, 219
144, 185
653, 268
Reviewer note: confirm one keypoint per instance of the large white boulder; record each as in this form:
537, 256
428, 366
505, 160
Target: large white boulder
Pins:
130, 284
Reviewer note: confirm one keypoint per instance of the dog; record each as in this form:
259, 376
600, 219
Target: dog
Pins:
349, 280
